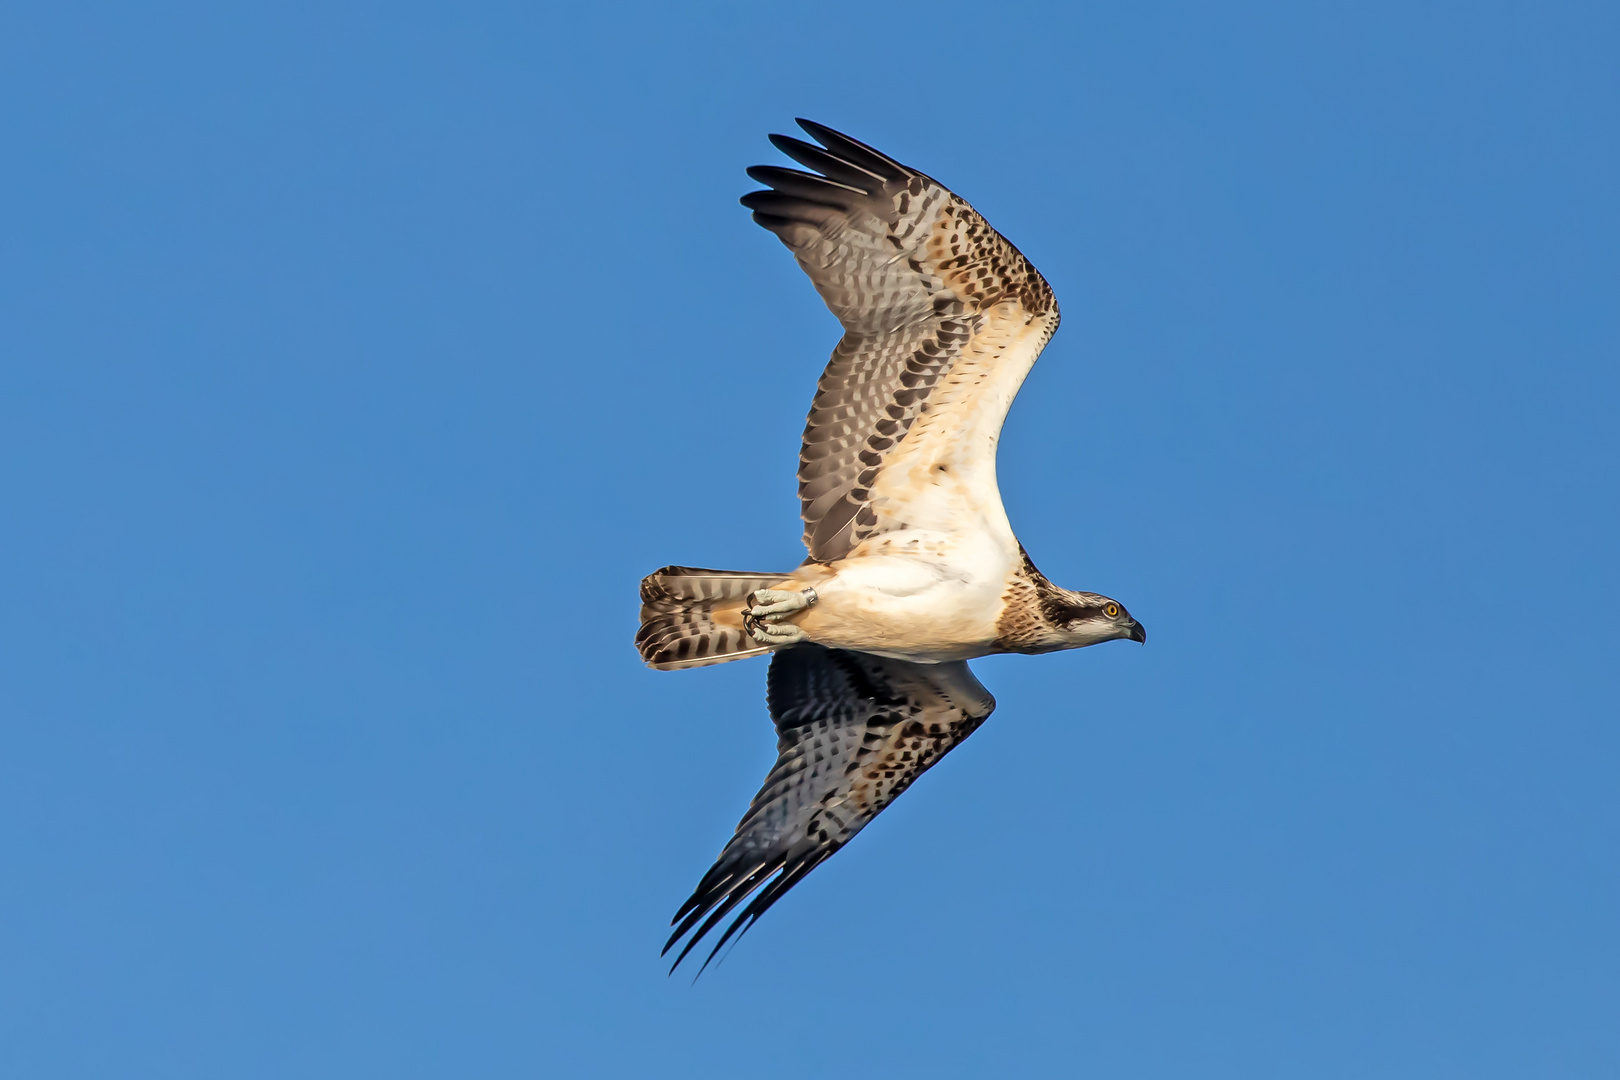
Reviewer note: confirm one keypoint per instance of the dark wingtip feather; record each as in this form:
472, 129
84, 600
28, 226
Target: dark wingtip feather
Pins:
854, 151
830, 164
777, 204
775, 224
716, 894
805, 185
703, 931
714, 887
777, 880
774, 891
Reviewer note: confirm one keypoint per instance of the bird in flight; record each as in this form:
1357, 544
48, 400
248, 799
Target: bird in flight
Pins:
913, 567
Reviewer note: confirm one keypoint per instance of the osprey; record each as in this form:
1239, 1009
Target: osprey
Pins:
913, 567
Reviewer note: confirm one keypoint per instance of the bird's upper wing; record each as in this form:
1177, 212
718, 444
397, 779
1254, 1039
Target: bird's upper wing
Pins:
853, 731
921, 284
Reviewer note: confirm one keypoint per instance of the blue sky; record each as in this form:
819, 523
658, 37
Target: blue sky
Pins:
356, 362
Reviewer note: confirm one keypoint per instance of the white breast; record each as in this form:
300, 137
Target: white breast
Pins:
934, 588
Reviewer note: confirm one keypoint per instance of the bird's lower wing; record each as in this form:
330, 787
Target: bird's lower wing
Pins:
854, 730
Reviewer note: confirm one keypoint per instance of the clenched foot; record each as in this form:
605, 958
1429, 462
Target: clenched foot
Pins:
766, 610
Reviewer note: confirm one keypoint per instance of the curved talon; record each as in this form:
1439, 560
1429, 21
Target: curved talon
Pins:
777, 634
766, 612
776, 604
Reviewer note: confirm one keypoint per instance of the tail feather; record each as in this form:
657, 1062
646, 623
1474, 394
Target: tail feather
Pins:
692, 617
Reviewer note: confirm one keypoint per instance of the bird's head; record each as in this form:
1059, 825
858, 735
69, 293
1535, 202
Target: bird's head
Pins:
1083, 618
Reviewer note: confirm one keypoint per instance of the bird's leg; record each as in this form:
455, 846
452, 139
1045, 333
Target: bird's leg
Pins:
767, 609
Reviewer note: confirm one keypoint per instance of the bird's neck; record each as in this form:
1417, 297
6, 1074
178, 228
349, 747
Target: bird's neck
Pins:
1032, 611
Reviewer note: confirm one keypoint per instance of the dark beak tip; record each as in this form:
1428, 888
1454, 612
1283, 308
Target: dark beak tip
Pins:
1139, 634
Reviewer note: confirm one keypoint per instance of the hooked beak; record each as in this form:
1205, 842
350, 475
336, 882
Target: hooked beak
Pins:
1139, 633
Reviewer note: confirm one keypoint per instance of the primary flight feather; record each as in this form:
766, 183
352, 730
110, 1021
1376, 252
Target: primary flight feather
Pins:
913, 566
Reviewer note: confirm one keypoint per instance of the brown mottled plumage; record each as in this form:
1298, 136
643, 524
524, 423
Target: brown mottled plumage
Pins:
1035, 611
913, 567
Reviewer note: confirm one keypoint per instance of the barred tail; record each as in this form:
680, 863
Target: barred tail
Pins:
692, 617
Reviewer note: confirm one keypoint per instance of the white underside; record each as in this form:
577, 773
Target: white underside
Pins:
934, 589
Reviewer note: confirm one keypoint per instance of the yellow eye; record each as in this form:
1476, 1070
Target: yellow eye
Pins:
1111, 610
